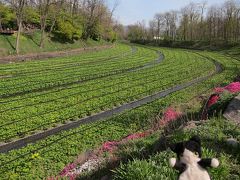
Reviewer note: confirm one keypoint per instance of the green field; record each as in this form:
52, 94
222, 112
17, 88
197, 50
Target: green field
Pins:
38, 95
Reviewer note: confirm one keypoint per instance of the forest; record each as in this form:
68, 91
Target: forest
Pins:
65, 20
197, 22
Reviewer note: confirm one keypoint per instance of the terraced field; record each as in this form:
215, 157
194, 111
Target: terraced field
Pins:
40, 95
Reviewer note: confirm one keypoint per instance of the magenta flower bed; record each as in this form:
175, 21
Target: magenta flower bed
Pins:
136, 136
109, 145
66, 169
169, 115
213, 100
233, 87
112, 145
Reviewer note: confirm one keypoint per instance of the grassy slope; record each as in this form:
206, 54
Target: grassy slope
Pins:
30, 44
213, 133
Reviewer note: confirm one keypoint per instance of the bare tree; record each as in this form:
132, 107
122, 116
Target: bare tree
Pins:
43, 11
152, 29
1, 17
201, 27
159, 19
54, 11
1, 22
93, 12
18, 7
115, 5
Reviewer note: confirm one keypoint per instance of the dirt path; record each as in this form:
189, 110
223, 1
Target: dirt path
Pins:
46, 55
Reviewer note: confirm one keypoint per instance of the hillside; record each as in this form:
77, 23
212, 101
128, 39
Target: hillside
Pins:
30, 44
214, 134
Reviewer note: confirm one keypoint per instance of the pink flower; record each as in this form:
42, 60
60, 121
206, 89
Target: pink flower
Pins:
136, 136
67, 169
233, 87
218, 90
169, 115
213, 100
109, 146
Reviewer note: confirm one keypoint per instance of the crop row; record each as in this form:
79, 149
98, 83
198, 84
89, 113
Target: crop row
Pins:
79, 109
31, 66
55, 82
58, 150
23, 120
74, 69
86, 86
75, 75
79, 61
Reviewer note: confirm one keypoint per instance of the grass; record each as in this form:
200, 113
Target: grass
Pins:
234, 51
213, 133
30, 44
60, 149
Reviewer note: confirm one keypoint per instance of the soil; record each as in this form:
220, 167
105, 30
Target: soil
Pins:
47, 55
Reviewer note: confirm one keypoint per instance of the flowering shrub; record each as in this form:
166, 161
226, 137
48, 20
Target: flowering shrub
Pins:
213, 100
109, 146
169, 115
67, 169
219, 90
136, 136
220, 100
233, 87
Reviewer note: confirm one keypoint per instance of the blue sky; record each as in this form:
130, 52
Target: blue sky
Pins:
131, 11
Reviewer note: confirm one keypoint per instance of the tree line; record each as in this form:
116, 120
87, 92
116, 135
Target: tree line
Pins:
67, 20
194, 22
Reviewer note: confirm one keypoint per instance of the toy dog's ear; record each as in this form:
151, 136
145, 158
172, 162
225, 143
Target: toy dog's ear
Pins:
178, 147
196, 139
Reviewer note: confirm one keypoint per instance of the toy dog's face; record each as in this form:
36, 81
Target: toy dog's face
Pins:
188, 152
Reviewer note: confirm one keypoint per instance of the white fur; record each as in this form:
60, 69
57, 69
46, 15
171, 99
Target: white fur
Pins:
172, 162
214, 163
194, 171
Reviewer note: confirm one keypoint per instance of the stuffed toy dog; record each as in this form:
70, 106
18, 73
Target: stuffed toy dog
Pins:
189, 162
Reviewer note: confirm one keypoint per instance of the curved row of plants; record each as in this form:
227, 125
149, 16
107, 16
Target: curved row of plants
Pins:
17, 123
75, 75
47, 157
117, 50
